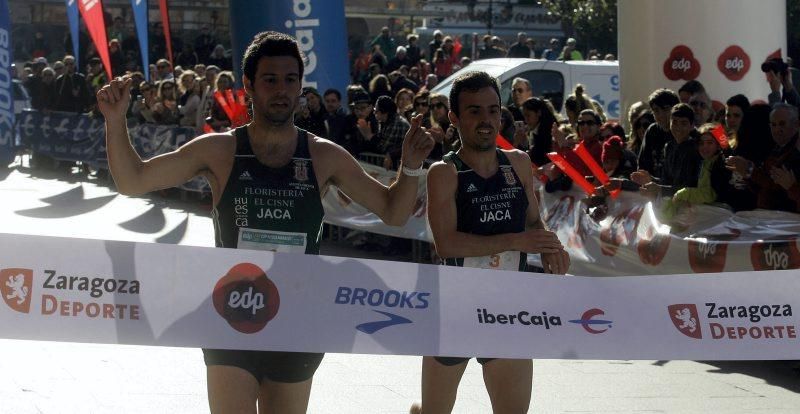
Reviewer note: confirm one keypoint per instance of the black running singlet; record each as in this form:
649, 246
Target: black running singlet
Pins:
274, 209
489, 206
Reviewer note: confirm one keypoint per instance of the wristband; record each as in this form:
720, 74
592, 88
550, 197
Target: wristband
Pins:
413, 172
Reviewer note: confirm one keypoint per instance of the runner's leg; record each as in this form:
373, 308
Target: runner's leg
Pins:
284, 397
231, 390
509, 383
440, 385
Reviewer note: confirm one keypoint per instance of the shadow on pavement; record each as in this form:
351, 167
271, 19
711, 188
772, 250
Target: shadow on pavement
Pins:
4, 173
175, 235
777, 373
67, 204
150, 222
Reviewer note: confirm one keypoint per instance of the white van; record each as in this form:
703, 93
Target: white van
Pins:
554, 80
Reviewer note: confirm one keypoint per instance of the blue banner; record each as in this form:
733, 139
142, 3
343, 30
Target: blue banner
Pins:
7, 147
140, 17
319, 27
72, 15
68, 136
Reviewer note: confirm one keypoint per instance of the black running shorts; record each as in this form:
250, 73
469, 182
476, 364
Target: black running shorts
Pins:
450, 361
287, 367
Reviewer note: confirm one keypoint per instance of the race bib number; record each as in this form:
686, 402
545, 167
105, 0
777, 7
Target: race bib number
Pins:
272, 241
500, 261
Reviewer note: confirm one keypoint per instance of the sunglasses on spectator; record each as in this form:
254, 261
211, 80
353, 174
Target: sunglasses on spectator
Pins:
421, 103
587, 123
439, 105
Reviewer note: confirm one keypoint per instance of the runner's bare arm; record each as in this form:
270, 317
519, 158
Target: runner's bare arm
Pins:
442, 217
552, 262
132, 175
393, 204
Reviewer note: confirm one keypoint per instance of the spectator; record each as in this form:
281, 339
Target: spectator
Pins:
380, 86
680, 157
569, 52
412, 50
609, 129
58, 68
651, 155
520, 49
40, 48
440, 129
335, 116
385, 41
404, 100
116, 57
414, 75
144, 106
311, 115
575, 104
47, 91
360, 123
701, 105
130, 42
779, 77
618, 164
589, 133
430, 82
392, 129
521, 90
537, 136
204, 44
400, 58
712, 182
422, 105
378, 58
489, 51
189, 101
397, 81
211, 74
200, 70
218, 118
165, 111
164, 70
187, 58
772, 181
35, 85
96, 75
689, 89
552, 52
117, 29
435, 44
531, 43
220, 59
72, 91
735, 108
639, 118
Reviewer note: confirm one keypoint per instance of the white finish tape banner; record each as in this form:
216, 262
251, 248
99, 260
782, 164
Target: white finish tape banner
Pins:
99, 291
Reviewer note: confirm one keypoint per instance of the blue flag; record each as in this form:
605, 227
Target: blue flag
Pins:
7, 144
140, 16
72, 15
318, 26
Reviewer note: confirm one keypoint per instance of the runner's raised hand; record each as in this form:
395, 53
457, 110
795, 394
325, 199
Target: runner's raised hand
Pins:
114, 98
417, 144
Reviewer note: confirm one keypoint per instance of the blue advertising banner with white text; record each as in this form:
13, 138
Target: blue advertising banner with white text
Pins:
140, 17
7, 150
72, 16
319, 27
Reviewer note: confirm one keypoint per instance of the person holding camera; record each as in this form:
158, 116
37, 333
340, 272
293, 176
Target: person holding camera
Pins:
778, 77
311, 116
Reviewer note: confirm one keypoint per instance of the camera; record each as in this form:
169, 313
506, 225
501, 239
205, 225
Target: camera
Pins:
776, 65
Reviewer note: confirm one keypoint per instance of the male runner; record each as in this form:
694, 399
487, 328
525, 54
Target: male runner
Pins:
483, 213
267, 156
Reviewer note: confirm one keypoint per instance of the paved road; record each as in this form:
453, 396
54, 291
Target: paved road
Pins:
49, 377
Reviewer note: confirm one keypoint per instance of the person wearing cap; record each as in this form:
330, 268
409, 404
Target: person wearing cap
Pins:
520, 49
400, 59
570, 52
360, 123
386, 42
96, 75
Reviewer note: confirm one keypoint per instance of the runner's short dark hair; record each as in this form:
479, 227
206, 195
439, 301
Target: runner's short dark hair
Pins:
472, 82
270, 44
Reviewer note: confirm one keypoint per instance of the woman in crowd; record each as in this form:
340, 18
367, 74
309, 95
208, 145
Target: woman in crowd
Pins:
311, 115
537, 135
189, 102
405, 103
166, 107
219, 119
379, 86
639, 118
218, 58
